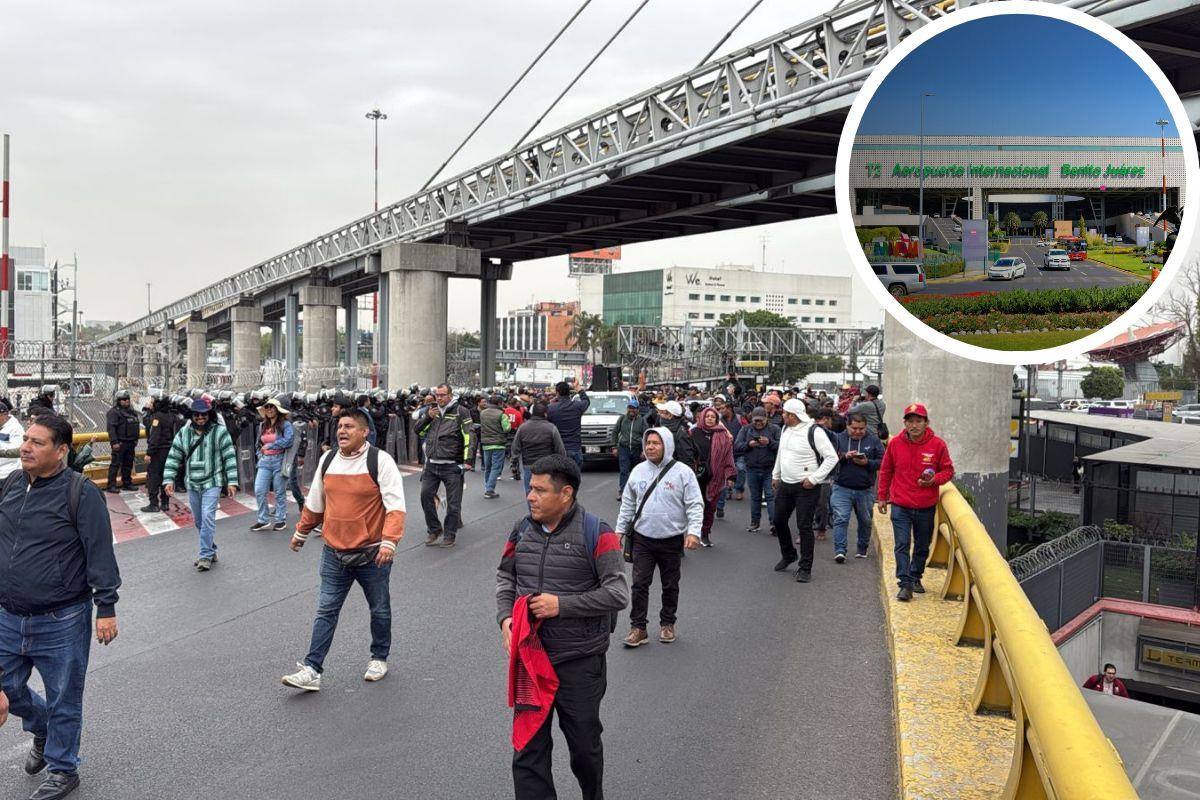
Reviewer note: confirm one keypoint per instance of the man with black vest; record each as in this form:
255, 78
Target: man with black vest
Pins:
56, 562
562, 566
446, 429
124, 428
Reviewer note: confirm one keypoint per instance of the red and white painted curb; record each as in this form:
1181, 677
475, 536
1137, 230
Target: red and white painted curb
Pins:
129, 522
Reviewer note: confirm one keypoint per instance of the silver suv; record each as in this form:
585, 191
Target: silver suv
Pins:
900, 279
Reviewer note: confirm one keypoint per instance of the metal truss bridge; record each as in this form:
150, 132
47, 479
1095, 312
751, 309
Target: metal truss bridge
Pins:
746, 139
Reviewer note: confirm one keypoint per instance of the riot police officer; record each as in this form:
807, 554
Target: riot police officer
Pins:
123, 431
44, 402
161, 423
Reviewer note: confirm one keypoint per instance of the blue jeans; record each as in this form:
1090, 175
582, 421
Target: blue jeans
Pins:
493, 465
57, 644
204, 512
915, 526
577, 456
336, 582
760, 487
844, 500
269, 477
526, 476
627, 459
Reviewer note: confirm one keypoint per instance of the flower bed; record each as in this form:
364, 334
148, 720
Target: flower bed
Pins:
958, 322
1023, 301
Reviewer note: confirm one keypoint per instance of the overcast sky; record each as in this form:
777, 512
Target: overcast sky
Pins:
178, 143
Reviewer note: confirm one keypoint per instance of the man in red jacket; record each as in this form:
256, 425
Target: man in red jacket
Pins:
914, 466
1107, 682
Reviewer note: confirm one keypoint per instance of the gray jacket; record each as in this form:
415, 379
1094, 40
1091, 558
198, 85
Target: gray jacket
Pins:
677, 505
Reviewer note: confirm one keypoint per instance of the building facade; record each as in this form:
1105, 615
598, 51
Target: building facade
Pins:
540, 326
33, 310
701, 295
1098, 178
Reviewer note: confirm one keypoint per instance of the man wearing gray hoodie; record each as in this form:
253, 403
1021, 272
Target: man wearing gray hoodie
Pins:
661, 507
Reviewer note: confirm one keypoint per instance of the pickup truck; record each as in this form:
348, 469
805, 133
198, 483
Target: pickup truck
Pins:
1057, 258
597, 422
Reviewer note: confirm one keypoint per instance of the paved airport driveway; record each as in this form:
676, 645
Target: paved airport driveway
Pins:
1081, 274
774, 689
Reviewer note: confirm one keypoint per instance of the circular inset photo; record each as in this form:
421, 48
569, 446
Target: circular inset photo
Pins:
1011, 182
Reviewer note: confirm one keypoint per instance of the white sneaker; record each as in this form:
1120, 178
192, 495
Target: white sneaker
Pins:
376, 669
305, 678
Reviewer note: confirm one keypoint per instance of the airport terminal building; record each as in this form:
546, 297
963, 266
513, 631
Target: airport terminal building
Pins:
1114, 183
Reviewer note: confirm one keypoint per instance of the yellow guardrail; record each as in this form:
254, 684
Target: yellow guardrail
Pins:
1060, 753
97, 471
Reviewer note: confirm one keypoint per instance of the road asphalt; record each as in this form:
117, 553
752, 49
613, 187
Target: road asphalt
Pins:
773, 690
1081, 274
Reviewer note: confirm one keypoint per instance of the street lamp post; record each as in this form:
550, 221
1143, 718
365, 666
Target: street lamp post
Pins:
375, 115
921, 177
1162, 134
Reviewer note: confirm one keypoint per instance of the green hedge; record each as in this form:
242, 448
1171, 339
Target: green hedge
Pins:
957, 322
1023, 301
944, 269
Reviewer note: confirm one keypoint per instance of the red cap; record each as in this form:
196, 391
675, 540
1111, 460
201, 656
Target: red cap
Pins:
917, 409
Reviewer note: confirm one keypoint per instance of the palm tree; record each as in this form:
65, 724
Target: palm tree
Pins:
1040, 220
585, 332
1012, 222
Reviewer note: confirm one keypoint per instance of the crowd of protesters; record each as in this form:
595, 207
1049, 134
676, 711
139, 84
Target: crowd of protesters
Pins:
684, 458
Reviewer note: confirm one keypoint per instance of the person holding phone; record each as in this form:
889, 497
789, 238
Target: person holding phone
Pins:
757, 445
914, 465
859, 455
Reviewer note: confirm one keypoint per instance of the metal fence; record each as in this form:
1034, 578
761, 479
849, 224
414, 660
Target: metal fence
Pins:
1063, 577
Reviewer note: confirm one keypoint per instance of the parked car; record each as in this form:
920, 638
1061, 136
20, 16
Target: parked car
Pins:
1186, 412
1112, 408
1007, 269
1057, 258
900, 279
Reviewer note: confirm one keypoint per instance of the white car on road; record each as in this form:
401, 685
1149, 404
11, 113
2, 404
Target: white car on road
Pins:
1007, 269
1057, 258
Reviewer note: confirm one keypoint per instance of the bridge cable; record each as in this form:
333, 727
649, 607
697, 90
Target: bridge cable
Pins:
504, 97
586, 67
729, 33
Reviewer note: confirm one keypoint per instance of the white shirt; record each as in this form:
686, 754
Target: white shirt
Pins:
11, 435
796, 462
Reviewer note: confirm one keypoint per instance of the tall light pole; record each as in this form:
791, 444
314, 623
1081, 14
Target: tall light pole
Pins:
375, 115
1162, 133
921, 178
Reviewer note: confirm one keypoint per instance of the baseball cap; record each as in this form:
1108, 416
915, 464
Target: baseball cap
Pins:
759, 413
201, 406
671, 407
916, 409
796, 407
633, 403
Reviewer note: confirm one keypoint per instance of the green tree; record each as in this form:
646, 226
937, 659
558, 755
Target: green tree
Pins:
1106, 383
585, 334
1040, 220
755, 319
1012, 222
993, 224
1082, 226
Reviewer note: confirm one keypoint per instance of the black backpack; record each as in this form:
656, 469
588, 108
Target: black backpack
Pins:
591, 536
372, 462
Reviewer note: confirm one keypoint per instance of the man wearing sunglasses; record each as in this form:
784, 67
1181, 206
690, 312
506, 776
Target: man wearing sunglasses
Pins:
205, 452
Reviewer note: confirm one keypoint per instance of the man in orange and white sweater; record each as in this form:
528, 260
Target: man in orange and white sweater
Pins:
362, 519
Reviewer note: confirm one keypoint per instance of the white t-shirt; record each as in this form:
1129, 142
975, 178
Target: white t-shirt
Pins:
11, 434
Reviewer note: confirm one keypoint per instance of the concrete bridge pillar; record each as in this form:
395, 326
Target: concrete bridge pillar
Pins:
417, 283
319, 305
134, 356
245, 346
197, 351
490, 275
150, 356
350, 305
970, 406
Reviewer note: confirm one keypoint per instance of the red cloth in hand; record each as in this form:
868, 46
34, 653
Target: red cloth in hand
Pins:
532, 681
